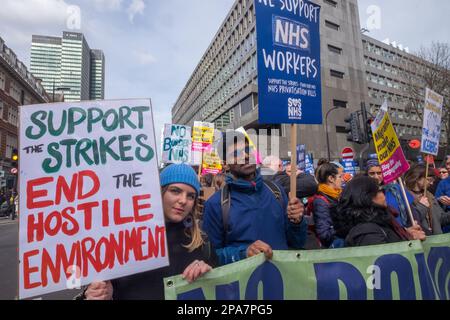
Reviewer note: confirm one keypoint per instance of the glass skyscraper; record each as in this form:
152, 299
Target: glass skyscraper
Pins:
97, 75
46, 61
69, 63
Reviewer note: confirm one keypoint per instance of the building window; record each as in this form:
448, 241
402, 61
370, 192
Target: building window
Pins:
331, 3
13, 116
340, 129
340, 103
332, 25
2, 80
337, 74
246, 105
334, 49
1, 109
11, 143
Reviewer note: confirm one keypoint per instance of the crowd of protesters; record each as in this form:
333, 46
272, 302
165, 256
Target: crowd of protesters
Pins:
252, 212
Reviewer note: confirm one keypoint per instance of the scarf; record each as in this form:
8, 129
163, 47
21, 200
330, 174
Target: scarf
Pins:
330, 191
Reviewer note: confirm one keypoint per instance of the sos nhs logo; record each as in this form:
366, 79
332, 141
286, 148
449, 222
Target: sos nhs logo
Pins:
290, 34
295, 109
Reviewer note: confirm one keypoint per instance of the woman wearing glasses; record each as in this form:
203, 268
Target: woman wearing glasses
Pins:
363, 217
394, 196
443, 173
432, 217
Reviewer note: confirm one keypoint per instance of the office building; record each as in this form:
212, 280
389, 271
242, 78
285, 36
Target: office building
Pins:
68, 64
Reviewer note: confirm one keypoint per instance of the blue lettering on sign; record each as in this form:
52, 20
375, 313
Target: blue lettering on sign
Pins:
426, 283
228, 291
430, 146
439, 266
196, 294
289, 33
328, 276
402, 267
271, 279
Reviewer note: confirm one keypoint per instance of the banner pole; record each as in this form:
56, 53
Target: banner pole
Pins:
426, 176
200, 167
293, 193
405, 197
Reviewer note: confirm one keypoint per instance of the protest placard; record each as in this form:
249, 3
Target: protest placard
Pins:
90, 199
432, 116
289, 79
202, 136
212, 164
301, 157
177, 144
390, 154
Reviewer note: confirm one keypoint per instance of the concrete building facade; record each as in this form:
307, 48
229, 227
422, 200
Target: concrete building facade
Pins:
223, 87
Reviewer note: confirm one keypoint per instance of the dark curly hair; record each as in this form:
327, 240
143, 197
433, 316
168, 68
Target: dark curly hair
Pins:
356, 206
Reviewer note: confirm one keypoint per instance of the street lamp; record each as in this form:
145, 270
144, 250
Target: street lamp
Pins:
326, 128
59, 89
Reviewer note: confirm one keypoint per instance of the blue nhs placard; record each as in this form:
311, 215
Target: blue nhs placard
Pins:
289, 81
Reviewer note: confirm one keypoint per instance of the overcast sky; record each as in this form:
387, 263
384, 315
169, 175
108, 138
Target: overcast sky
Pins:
153, 46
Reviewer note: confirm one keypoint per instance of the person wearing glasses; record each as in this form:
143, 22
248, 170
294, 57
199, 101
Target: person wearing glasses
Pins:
443, 189
363, 217
393, 194
249, 216
443, 173
432, 216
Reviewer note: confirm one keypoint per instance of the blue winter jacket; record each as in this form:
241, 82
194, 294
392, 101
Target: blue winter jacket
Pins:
443, 189
323, 221
255, 214
393, 203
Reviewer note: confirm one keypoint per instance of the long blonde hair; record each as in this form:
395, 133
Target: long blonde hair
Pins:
194, 232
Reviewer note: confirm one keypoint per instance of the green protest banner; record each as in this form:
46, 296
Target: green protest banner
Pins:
400, 271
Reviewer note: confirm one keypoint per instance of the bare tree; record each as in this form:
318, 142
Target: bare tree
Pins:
431, 69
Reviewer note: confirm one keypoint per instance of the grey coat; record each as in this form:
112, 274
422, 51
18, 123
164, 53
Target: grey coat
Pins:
439, 216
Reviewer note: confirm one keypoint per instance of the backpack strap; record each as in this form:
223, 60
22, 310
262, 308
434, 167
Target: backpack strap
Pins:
322, 197
273, 187
225, 202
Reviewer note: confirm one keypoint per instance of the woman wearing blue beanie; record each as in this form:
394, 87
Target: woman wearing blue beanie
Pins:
187, 248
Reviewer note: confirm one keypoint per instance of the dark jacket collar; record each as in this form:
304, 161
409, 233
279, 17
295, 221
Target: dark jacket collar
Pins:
246, 186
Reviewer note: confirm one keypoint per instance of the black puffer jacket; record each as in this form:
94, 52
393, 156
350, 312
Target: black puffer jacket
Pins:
149, 285
367, 226
368, 234
306, 184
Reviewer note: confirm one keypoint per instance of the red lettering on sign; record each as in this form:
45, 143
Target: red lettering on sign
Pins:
138, 207
33, 194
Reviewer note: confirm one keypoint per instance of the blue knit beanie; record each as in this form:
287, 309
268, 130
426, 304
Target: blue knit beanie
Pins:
372, 163
180, 173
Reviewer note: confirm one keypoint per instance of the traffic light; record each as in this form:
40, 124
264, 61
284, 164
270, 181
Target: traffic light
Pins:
367, 121
353, 128
15, 158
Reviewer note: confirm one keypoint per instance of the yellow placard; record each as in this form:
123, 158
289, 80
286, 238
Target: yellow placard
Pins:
385, 138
